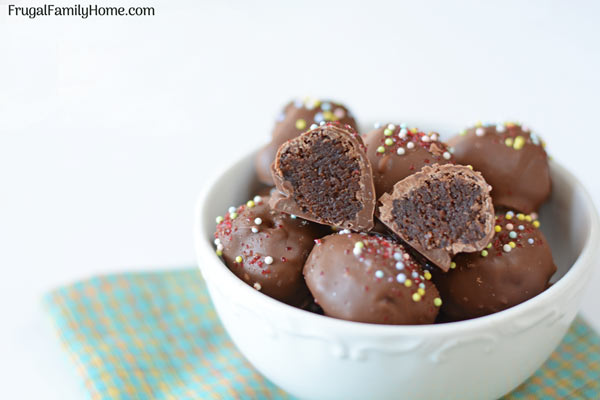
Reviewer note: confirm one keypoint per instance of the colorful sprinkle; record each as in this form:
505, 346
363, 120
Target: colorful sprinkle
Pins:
219, 253
416, 297
437, 302
401, 278
381, 149
530, 240
292, 216
250, 203
507, 248
513, 235
388, 132
520, 216
519, 143
300, 124
500, 128
239, 259
379, 274
420, 290
403, 132
233, 215
231, 209
536, 224
400, 265
497, 228
219, 219
427, 275
389, 142
463, 132
452, 265
510, 227
397, 256
408, 283
509, 141
521, 227
484, 253
512, 244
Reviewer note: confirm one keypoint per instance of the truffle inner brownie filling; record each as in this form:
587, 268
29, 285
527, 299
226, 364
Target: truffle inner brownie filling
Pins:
441, 212
325, 177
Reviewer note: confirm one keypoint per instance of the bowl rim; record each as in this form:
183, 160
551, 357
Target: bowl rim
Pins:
578, 268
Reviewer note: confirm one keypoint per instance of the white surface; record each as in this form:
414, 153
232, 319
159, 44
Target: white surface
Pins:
348, 360
108, 125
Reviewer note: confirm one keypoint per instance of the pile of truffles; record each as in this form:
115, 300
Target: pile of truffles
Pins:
394, 226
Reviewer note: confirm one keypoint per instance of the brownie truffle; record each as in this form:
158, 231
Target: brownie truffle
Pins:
396, 152
297, 117
267, 249
440, 211
515, 266
368, 278
512, 159
324, 176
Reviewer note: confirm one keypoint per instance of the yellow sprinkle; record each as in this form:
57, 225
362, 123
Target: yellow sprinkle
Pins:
421, 291
300, 124
452, 265
388, 132
408, 283
489, 246
316, 103
470, 167
519, 143
238, 259
381, 149
329, 116
478, 124
521, 216
219, 253
509, 124
437, 302
233, 215
219, 219
250, 203
414, 130
508, 216
416, 297
512, 244
509, 141
389, 142
427, 275
497, 228
463, 132
484, 253
543, 144
536, 224
528, 218
359, 245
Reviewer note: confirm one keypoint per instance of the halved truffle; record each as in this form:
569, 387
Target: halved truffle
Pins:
267, 249
441, 211
324, 176
368, 278
297, 117
515, 266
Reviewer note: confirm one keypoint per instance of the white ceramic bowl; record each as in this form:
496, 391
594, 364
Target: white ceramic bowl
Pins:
317, 357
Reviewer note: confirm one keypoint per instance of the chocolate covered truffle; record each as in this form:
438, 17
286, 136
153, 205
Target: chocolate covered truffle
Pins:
368, 278
324, 176
440, 211
515, 266
396, 152
297, 117
267, 249
512, 159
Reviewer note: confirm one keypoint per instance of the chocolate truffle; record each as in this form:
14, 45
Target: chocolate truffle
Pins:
324, 176
396, 152
515, 266
440, 211
368, 278
297, 117
512, 159
267, 249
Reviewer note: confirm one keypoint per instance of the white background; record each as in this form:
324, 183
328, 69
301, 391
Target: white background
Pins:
109, 126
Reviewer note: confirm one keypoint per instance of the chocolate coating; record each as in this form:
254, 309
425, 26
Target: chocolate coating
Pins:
440, 211
483, 283
324, 176
396, 152
512, 159
377, 282
272, 256
296, 118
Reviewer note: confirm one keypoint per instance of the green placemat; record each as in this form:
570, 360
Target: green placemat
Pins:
156, 336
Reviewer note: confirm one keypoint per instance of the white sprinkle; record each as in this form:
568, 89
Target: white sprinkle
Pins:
401, 278
377, 125
513, 235
530, 240
268, 260
322, 123
257, 199
258, 220
406, 256
357, 251
422, 285
399, 265
400, 151
314, 126
525, 128
500, 128
410, 145
434, 136
257, 286
397, 256
507, 248
521, 227
217, 241
231, 209
403, 132
534, 138
415, 274
403, 125
480, 131
379, 274
292, 216
254, 229
451, 150
391, 127
511, 213
344, 231
425, 138
220, 247
446, 155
